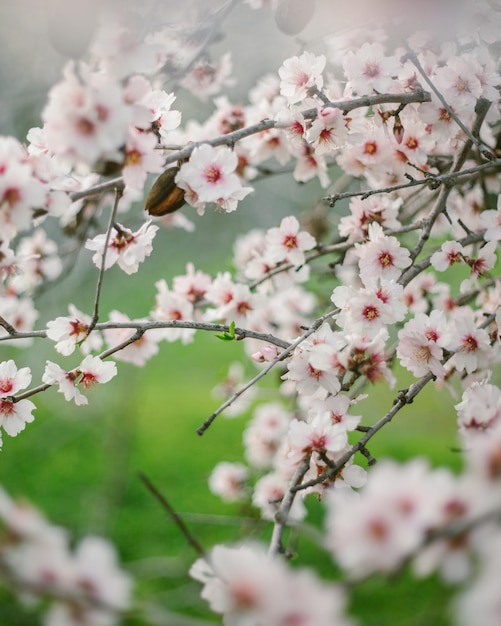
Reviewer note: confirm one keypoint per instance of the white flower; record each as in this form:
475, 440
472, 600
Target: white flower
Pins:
299, 74
68, 332
210, 173
287, 243
369, 70
381, 256
15, 415
13, 380
125, 248
228, 481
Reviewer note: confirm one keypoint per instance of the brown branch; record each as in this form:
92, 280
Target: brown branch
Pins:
282, 515
283, 355
231, 138
431, 180
95, 316
192, 541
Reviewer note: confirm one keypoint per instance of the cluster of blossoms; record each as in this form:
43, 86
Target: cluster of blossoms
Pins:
415, 130
85, 585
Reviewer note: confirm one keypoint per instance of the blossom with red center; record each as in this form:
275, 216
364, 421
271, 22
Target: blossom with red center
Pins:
15, 415
382, 257
300, 74
125, 248
287, 242
68, 332
13, 380
173, 307
470, 344
319, 435
421, 343
369, 69
141, 158
210, 176
451, 252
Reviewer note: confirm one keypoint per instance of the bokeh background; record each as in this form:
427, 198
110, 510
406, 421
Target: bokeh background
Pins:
80, 464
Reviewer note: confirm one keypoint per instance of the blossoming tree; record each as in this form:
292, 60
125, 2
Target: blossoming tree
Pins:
398, 117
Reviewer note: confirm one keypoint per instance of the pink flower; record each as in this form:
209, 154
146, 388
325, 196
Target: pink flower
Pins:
299, 74
207, 78
229, 481
369, 70
172, 306
421, 343
210, 175
319, 435
451, 252
125, 248
381, 257
141, 158
69, 332
13, 380
287, 243
15, 415
470, 344
66, 382
136, 353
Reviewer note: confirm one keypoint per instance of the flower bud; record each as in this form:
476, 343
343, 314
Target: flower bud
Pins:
165, 196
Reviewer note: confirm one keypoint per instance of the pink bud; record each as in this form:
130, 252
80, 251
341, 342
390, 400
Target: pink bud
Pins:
268, 353
328, 115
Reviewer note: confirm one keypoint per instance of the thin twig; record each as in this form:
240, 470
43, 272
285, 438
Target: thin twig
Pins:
231, 138
95, 316
315, 326
431, 180
412, 56
282, 515
193, 542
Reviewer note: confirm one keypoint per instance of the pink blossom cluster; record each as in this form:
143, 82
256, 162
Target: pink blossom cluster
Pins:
85, 584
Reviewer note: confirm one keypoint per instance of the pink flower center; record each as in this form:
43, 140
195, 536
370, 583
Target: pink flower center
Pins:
6, 407
370, 147
378, 530
6, 385
431, 334
290, 242
372, 69
77, 328
470, 344
370, 313
134, 157
88, 380
213, 174
85, 126
302, 79
11, 196
385, 259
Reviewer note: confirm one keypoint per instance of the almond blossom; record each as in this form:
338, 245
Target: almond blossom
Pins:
70, 332
229, 481
470, 344
210, 176
421, 343
15, 415
125, 248
369, 69
12, 379
287, 243
381, 256
300, 74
